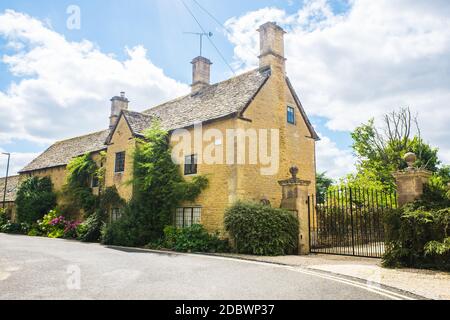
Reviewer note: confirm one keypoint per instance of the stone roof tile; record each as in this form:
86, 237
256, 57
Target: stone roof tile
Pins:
11, 188
62, 152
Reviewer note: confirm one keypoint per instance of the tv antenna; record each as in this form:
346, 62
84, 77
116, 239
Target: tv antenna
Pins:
201, 35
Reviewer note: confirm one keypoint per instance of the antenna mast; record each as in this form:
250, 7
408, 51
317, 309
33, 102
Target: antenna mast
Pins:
201, 35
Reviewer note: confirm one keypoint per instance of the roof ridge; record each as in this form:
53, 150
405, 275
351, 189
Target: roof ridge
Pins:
137, 112
82, 136
265, 69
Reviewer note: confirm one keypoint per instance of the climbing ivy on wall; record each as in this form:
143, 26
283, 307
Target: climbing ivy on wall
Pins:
77, 191
158, 189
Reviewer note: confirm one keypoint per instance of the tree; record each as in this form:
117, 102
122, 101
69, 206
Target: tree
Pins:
380, 151
323, 183
35, 198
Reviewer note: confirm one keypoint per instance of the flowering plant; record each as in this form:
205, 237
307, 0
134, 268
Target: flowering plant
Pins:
54, 225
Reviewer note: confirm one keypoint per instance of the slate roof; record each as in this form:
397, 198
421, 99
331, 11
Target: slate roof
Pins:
62, 152
137, 121
217, 101
11, 188
213, 102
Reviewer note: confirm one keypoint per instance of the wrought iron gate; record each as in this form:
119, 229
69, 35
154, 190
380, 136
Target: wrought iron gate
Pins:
349, 221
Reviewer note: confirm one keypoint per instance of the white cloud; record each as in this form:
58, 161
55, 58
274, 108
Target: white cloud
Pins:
65, 87
330, 159
18, 161
378, 56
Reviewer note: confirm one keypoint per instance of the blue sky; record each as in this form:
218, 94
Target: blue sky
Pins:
158, 26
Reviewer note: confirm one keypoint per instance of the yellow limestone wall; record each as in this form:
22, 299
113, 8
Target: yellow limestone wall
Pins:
269, 111
122, 140
222, 180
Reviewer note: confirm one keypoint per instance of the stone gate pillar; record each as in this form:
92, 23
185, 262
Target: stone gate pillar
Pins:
295, 198
410, 182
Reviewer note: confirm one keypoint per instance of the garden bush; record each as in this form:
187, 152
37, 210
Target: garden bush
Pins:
262, 230
417, 235
3, 217
54, 225
126, 231
35, 198
15, 228
90, 230
191, 239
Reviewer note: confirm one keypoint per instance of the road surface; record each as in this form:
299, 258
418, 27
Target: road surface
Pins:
40, 268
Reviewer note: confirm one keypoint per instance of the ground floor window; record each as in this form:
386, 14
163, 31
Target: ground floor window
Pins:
186, 217
116, 214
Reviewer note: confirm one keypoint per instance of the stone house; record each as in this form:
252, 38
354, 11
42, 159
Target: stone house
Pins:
261, 99
9, 196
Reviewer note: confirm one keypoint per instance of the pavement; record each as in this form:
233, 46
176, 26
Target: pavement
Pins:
425, 283
50, 269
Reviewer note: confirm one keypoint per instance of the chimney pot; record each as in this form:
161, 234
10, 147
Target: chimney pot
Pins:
118, 103
272, 46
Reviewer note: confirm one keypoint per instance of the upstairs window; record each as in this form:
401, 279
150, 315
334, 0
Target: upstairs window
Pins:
95, 181
120, 162
291, 115
190, 165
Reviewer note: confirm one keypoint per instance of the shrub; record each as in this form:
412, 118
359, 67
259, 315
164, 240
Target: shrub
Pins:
191, 239
262, 230
35, 231
35, 198
54, 225
3, 217
90, 230
15, 228
417, 234
123, 232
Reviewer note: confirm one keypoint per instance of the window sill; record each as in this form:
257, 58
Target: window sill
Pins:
191, 175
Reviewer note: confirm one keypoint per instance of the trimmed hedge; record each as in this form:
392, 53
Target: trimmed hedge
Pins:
261, 230
192, 239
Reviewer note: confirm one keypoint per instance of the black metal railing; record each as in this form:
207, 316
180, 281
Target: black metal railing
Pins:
349, 221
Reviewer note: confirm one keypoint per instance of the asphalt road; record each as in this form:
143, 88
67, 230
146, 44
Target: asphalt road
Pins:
39, 268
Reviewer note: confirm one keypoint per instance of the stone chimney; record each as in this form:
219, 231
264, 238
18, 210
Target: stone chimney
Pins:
117, 105
272, 46
201, 73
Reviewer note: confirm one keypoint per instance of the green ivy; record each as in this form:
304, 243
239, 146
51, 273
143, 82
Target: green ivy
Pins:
158, 189
77, 190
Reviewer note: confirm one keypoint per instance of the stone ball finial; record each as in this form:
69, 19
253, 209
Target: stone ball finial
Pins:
410, 159
294, 172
